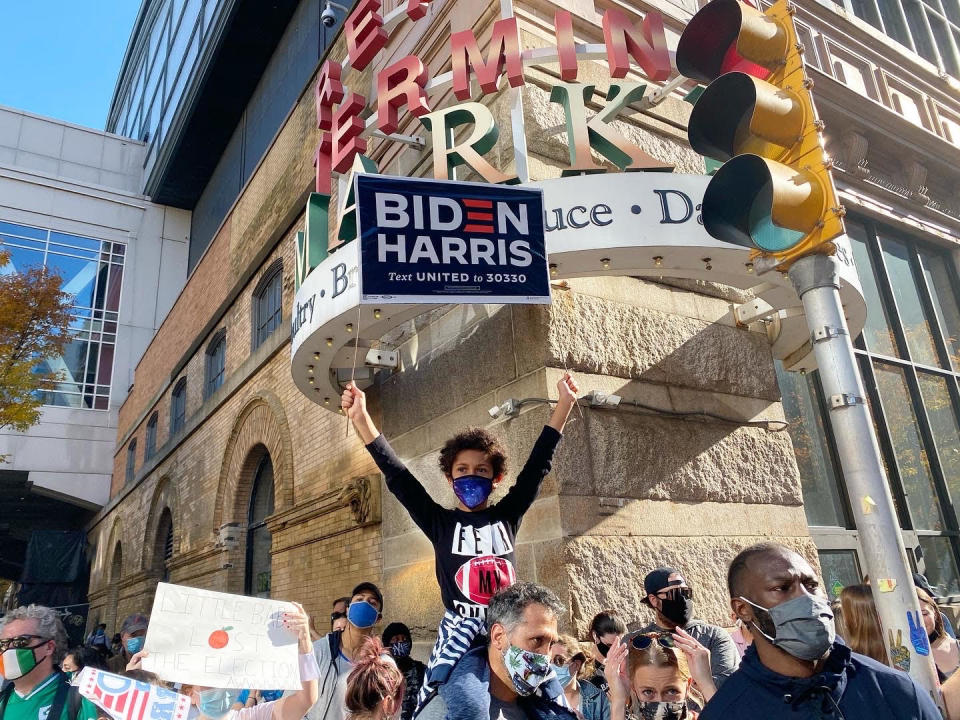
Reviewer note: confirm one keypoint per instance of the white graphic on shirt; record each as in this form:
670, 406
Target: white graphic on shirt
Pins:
491, 539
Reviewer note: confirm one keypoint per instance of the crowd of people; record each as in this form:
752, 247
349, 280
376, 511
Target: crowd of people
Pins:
499, 654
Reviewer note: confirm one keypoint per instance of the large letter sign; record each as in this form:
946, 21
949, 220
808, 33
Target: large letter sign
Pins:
436, 241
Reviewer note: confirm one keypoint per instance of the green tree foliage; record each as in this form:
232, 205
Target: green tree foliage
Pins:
34, 322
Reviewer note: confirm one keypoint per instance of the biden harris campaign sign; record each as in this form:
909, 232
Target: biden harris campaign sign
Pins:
440, 241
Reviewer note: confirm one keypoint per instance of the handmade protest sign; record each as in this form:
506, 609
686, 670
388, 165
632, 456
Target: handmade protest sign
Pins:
438, 241
126, 699
220, 640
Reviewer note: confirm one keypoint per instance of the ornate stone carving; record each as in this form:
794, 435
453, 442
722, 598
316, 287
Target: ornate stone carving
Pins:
361, 494
854, 154
916, 181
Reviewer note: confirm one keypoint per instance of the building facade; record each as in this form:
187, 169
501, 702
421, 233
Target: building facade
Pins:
256, 487
70, 199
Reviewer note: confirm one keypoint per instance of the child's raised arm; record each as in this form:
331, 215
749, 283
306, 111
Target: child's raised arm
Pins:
354, 404
567, 390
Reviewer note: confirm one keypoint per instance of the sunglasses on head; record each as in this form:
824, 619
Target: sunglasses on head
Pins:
21, 641
337, 615
672, 592
642, 642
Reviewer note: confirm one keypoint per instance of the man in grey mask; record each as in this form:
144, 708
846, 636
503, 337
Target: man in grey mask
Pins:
797, 668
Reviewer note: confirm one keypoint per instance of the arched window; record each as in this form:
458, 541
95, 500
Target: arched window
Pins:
116, 566
267, 305
216, 362
257, 581
150, 445
131, 460
163, 546
178, 407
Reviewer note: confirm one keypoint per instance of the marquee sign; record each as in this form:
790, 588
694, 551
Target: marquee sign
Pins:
644, 224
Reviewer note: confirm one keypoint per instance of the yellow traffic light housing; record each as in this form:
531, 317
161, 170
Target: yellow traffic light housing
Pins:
775, 191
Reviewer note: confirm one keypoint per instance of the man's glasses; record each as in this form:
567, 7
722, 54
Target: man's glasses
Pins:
673, 592
337, 616
21, 641
642, 642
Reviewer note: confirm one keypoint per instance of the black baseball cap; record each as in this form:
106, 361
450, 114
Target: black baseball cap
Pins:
658, 580
395, 628
369, 586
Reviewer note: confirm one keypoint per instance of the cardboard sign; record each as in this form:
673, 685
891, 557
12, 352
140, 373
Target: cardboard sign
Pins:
437, 241
221, 641
126, 699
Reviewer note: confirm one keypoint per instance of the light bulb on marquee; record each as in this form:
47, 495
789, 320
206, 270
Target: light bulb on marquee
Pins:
605, 262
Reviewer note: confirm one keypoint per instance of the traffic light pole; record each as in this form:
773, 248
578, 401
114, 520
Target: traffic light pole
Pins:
816, 281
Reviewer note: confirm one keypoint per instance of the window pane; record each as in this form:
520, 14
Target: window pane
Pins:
876, 333
866, 10
839, 569
78, 277
893, 21
918, 29
943, 426
896, 256
944, 302
940, 564
942, 37
911, 456
259, 571
818, 478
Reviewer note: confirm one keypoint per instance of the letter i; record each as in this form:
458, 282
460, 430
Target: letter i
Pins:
418, 212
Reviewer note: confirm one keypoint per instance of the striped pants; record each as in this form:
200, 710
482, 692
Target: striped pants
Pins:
454, 637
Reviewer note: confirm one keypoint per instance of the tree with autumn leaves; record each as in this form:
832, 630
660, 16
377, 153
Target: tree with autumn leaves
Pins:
34, 324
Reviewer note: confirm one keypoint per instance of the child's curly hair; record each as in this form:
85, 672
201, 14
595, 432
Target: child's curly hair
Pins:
474, 439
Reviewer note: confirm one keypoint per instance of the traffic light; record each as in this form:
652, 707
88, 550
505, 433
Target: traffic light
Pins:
774, 191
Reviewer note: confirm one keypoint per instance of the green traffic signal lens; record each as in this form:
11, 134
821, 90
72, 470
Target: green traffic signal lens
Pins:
765, 234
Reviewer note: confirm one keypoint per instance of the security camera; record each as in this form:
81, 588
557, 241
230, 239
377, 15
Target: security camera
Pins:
328, 17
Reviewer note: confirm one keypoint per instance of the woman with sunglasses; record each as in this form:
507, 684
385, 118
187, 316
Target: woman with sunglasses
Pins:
571, 666
664, 672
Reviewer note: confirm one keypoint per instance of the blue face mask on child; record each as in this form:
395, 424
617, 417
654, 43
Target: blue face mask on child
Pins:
472, 490
362, 614
216, 703
134, 645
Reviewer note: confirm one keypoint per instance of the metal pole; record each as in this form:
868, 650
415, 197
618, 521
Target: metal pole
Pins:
816, 281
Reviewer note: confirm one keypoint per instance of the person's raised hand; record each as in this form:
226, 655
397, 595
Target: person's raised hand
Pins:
616, 660
298, 622
567, 390
698, 660
354, 402
136, 660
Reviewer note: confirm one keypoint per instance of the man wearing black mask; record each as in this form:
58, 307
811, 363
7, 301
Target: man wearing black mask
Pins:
796, 667
668, 594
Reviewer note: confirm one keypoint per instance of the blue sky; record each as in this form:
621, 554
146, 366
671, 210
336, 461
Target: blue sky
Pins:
60, 58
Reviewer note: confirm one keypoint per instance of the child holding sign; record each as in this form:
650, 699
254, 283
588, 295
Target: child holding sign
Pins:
473, 543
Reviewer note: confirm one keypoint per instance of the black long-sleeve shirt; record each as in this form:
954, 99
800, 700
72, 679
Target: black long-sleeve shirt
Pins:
474, 551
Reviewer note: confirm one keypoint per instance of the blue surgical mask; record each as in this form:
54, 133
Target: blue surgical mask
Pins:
216, 703
134, 645
271, 695
362, 614
472, 490
562, 673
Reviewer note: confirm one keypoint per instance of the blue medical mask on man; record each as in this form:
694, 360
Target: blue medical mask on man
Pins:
134, 645
362, 614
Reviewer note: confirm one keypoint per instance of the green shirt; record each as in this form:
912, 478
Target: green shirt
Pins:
36, 705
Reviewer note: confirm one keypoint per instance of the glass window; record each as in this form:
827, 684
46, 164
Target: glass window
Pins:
911, 455
131, 460
178, 407
877, 334
150, 445
839, 569
817, 476
216, 360
91, 272
940, 564
944, 300
942, 415
268, 306
259, 542
913, 319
